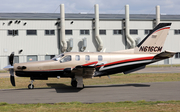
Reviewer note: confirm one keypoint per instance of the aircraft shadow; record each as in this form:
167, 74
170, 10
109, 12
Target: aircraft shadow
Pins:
62, 88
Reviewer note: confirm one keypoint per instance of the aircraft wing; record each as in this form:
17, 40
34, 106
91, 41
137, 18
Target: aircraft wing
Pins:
164, 55
86, 70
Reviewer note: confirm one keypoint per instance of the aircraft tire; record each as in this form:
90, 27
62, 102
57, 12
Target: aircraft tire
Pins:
30, 86
74, 83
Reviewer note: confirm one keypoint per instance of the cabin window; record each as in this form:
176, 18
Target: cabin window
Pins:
77, 58
87, 57
100, 58
66, 59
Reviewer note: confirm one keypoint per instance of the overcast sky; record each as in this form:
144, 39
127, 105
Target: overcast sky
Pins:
77, 6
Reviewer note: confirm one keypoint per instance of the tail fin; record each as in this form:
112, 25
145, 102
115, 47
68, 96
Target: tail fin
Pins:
154, 41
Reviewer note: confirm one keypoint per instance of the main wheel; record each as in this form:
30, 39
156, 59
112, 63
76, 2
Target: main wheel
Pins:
74, 83
30, 86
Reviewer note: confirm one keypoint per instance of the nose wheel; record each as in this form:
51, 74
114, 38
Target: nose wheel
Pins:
31, 86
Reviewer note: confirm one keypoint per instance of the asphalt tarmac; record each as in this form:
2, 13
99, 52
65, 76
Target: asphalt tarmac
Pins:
158, 91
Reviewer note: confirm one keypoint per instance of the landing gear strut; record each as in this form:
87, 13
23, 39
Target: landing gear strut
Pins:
77, 82
31, 86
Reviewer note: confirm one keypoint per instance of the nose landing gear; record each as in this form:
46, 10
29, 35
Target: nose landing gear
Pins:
31, 86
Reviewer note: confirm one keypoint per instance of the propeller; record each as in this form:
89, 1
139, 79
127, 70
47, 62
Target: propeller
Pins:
11, 70
11, 58
12, 79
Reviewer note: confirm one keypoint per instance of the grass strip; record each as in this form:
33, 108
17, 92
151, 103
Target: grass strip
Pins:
126, 106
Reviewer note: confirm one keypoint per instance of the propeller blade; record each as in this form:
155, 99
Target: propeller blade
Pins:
11, 58
12, 79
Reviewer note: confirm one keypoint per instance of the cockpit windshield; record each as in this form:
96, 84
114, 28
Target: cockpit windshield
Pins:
56, 58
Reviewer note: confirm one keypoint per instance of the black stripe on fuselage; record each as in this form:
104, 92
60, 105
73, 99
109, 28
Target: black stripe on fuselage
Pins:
43, 74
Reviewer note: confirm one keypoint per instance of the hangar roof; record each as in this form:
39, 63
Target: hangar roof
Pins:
84, 16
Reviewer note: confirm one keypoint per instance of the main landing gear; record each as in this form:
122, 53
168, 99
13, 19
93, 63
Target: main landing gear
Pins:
31, 86
77, 82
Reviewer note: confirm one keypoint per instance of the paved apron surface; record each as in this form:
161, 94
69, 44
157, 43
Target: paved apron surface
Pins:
159, 91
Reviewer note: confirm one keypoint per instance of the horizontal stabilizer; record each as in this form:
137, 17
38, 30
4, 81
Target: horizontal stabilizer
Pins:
164, 55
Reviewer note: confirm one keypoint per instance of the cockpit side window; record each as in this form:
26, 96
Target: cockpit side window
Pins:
66, 59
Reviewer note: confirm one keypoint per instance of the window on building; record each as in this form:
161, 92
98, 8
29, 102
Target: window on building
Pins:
48, 57
77, 58
134, 32
68, 32
177, 55
147, 31
66, 59
16, 59
12, 32
100, 58
31, 32
31, 58
87, 57
49, 32
117, 32
84, 32
177, 32
102, 32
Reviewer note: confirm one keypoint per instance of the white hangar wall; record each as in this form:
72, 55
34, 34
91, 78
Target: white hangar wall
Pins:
42, 45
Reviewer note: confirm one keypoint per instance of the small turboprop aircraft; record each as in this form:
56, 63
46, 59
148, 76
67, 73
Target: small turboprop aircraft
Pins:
79, 65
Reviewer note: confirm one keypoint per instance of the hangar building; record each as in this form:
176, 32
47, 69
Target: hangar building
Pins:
41, 36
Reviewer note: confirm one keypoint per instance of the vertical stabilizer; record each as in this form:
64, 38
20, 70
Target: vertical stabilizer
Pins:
154, 41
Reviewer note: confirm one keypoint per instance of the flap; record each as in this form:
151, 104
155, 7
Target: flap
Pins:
87, 70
